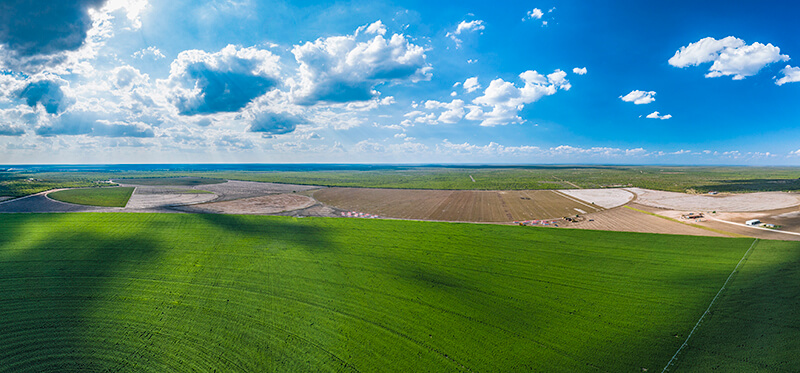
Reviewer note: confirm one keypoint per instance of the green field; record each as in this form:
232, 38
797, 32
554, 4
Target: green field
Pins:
173, 292
176, 181
755, 324
105, 197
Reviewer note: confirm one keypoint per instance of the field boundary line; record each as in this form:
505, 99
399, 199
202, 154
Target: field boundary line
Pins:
34, 195
685, 343
131, 197
689, 224
567, 182
565, 195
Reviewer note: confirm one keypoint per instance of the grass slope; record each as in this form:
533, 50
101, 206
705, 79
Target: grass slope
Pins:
106, 197
172, 292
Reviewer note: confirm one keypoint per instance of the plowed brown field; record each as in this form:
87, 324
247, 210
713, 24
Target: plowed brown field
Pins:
455, 205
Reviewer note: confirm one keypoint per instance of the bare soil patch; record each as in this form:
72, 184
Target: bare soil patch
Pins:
626, 220
234, 189
606, 198
270, 204
150, 201
787, 219
168, 190
737, 217
454, 205
748, 202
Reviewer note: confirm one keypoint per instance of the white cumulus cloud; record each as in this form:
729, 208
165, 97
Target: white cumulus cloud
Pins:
475, 25
580, 70
453, 113
376, 27
226, 81
639, 97
471, 84
464, 26
790, 75
506, 99
347, 68
151, 52
535, 13
655, 115
730, 56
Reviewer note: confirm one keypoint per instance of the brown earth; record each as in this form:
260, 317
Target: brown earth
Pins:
626, 220
270, 204
712, 220
455, 205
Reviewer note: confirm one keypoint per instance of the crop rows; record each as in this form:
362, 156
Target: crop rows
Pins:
106, 197
175, 292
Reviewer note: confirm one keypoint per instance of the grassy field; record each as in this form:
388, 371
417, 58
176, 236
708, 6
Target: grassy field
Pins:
754, 325
106, 197
172, 292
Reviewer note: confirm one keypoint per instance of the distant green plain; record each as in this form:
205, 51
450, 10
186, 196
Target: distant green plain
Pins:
171, 181
198, 292
104, 197
670, 178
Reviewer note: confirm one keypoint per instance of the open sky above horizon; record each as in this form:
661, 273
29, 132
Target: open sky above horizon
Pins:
626, 82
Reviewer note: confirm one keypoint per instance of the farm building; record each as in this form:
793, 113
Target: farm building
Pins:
753, 222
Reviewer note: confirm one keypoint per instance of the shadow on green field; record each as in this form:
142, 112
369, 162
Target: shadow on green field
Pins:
49, 285
272, 230
754, 325
428, 277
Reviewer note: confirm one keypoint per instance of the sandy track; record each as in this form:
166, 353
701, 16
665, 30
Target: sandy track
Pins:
733, 202
607, 198
271, 204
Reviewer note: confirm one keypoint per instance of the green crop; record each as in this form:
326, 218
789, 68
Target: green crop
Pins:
106, 197
195, 292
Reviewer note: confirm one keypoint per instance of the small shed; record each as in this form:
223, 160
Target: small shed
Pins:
753, 222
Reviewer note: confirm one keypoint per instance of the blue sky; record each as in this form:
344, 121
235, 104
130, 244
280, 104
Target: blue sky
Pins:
625, 82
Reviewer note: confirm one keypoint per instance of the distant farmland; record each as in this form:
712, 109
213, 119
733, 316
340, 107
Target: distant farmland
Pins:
174, 292
459, 205
106, 197
23, 181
